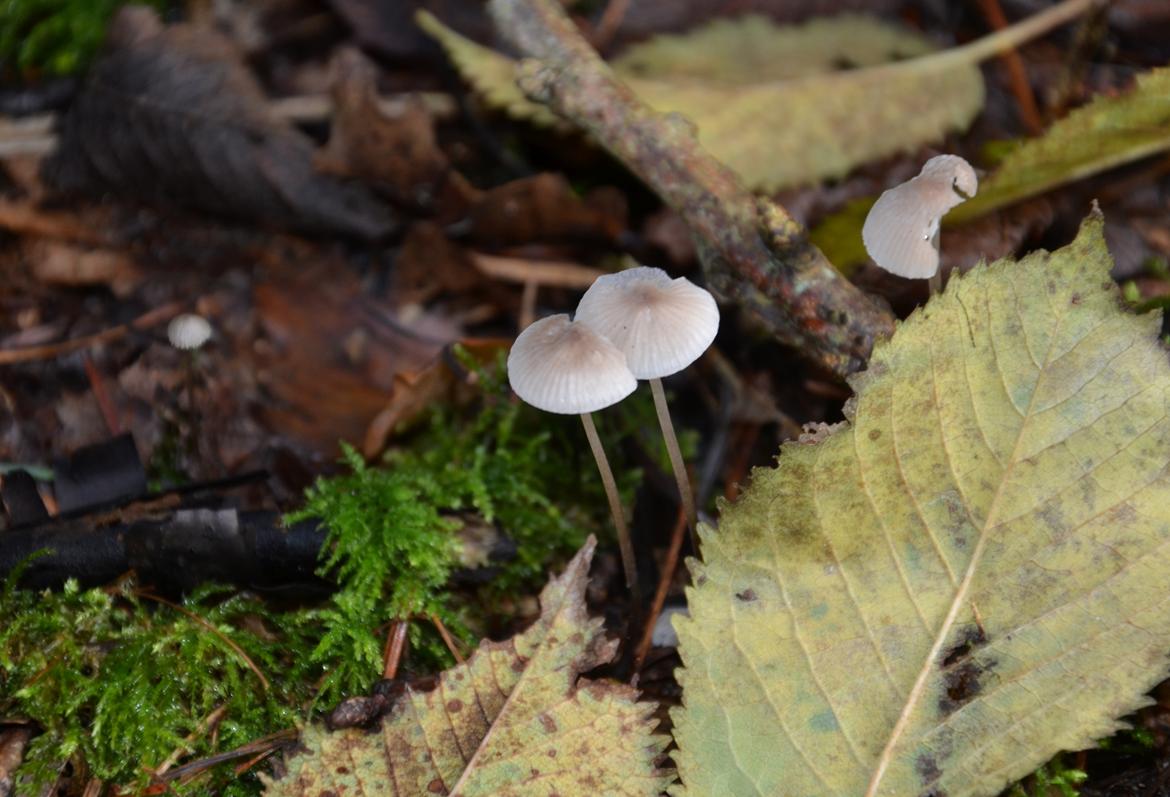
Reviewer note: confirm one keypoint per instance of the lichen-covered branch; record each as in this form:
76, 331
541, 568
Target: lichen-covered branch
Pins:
754, 254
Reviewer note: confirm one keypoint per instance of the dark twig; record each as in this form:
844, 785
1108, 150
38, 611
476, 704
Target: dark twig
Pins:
265, 744
754, 253
395, 646
448, 640
1017, 74
231, 643
664, 580
49, 350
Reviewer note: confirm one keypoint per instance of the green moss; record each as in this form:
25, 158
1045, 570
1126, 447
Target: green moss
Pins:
54, 37
118, 680
394, 529
1053, 779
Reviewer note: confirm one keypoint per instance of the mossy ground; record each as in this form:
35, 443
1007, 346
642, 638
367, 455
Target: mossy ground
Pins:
118, 680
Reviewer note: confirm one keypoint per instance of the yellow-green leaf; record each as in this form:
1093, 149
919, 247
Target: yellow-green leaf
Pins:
1108, 132
964, 578
771, 102
513, 722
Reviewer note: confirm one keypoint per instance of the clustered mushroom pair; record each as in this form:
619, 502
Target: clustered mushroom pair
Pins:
635, 324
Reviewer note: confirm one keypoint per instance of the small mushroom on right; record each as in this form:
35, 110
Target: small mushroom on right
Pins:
901, 231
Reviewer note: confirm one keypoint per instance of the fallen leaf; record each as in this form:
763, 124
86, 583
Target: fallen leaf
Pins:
514, 721
965, 577
1108, 132
773, 102
170, 115
398, 156
414, 392
323, 384
540, 208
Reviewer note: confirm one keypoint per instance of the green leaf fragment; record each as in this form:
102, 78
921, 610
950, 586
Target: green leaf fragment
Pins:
514, 720
1108, 132
962, 580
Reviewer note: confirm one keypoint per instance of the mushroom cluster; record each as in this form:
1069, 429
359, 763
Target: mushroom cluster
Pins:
635, 324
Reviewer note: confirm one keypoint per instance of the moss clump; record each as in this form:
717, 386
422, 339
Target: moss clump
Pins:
54, 37
117, 681
394, 530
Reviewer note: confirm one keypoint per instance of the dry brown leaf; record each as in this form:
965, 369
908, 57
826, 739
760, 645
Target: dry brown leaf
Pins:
413, 392
170, 116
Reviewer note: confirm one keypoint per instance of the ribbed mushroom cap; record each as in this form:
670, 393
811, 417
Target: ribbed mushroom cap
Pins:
662, 325
561, 366
901, 230
188, 331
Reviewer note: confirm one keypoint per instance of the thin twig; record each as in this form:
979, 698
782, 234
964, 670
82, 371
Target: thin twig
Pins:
211, 719
1017, 74
611, 20
395, 646
528, 304
239, 651
745, 440
267, 743
25, 218
49, 350
665, 579
554, 273
98, 386
448, 640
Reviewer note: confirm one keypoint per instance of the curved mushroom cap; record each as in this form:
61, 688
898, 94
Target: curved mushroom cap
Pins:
561, 366
901, 230
188, 331
662, 325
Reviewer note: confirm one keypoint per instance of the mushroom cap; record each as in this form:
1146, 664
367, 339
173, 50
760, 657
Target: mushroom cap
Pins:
901, 231
560, 366
662, 325
188, 331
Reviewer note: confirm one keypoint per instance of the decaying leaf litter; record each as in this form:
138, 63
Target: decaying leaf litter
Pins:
365, 234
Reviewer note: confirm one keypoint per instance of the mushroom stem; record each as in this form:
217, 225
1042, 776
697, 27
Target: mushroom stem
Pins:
615, 507
935, 283
685, 494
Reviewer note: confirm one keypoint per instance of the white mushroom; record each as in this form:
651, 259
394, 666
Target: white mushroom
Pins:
188, 331
901, 230
662, 325
560, 366
565, 367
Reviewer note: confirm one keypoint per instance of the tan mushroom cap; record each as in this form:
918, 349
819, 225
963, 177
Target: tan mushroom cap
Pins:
901, 230
662, 325
560, 366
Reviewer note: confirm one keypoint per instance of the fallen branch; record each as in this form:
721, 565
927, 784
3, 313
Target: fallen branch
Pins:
173, 553
754, 254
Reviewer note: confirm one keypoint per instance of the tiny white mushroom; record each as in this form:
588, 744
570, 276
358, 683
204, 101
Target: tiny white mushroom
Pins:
562, 366
188, 331
901, 231
662, 325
